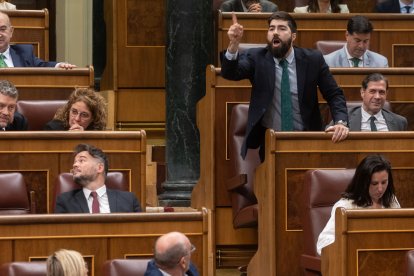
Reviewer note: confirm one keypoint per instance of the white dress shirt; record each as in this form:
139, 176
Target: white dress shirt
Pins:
366, 122
102, 199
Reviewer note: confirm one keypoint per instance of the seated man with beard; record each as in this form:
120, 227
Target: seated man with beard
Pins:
89, 170
284, 81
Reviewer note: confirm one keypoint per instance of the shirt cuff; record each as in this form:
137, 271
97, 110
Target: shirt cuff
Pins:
231, 56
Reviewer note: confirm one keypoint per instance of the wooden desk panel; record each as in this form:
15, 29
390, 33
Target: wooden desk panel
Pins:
389, 29
288, 157
41, 156
48, 83
102, 237
31, 27
369, 242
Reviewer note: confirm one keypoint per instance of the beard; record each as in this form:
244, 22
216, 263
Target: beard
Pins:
282, 49
83, 180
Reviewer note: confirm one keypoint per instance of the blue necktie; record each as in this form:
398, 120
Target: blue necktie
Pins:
407, 8
286, 98
372, 123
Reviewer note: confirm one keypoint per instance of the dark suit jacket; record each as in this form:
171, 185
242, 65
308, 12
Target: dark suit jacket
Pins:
22, 56
394, 121
388, 6
19, 122
236, 6
75, 202
258, 65
152, 270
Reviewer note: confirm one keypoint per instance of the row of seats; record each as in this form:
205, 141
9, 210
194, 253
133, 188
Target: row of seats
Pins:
116, 267
14, 197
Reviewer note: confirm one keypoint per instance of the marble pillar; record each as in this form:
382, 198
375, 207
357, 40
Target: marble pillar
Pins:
189, 29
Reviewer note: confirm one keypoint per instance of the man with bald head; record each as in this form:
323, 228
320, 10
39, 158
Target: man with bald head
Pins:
172, 256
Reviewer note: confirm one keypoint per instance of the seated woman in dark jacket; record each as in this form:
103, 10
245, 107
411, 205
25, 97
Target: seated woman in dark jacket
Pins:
85, 110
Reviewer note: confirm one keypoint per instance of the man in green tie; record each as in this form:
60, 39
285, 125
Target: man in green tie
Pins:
285, 81
355, 52
10, 119
20, 55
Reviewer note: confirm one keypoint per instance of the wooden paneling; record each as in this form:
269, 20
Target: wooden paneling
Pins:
47, 83
31, 27
389, 29
369, 242
103, 236
41, 156
292, 154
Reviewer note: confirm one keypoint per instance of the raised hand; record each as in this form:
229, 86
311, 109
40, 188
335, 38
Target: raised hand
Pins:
235, 34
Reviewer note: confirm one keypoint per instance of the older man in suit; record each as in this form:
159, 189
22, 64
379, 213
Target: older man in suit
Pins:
10, 119
355, 52
89, 171
20, 55
395, 6
248, 6
284, 81
371, 115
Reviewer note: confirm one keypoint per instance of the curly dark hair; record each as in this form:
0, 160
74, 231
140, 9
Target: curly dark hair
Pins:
314, 7
358, 189
93, 100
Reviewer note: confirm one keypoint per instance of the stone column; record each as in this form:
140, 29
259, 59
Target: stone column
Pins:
189, 48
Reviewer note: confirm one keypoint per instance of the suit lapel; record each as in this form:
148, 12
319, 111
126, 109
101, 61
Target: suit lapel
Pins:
355, 119
112, 200
343, 58
367, 59
389, 120
81, 200
15, 58
270, 68
301, 69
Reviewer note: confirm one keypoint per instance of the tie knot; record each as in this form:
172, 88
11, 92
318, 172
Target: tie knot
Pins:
94, 194
283, 63
355, 61
372, 118
407, 9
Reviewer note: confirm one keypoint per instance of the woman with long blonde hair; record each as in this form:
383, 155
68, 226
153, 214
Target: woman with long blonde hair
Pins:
66, 263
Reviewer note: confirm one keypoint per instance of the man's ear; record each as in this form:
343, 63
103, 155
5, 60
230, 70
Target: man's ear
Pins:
101, 168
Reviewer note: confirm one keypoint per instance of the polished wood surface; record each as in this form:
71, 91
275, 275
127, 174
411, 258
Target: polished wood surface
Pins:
41, 156
31, 27
288, 156
100, 237
369, 242
48, 83
389, 30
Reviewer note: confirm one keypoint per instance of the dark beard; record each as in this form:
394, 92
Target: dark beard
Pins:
82, 180
282, 50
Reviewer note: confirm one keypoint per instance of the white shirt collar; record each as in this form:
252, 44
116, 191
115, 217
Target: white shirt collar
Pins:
289, 58
101, 191
366, 115
402, 5
348, 56
8, 58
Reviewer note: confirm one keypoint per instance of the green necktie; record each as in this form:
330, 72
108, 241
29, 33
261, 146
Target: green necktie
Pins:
372, 123
2, 62
286, 98
355, 61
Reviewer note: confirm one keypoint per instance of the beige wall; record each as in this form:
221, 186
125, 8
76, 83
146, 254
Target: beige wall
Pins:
74, 31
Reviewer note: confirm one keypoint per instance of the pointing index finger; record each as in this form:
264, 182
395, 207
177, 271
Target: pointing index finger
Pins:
234, 17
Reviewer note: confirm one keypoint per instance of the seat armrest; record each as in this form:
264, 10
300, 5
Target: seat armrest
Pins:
236, 182
310, 262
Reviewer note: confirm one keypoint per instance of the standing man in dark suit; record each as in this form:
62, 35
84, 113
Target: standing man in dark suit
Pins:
372, 116
10, 119
306, 70
395, 6
89, 171
172, 256
248, 6
20, 55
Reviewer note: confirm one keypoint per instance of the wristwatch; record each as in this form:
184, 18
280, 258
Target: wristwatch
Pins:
341, 122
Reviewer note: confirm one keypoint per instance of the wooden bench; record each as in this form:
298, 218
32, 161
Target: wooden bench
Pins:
102, 237
369, 242
41, 156
48, 83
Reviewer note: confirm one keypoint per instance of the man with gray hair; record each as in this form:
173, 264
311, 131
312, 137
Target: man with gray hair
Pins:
172, 256
10, 119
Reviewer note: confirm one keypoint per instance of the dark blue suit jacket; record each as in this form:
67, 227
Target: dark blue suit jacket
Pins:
22, 56
236, 6
75, 202
389, 6
258, 65
19, 123
152, 270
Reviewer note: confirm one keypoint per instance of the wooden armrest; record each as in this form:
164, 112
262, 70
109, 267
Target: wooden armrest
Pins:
236, 182
310, 262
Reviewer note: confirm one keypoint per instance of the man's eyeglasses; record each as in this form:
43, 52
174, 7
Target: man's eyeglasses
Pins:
74, 112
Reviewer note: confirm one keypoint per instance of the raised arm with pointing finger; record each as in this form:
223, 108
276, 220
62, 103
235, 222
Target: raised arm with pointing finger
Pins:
303, 71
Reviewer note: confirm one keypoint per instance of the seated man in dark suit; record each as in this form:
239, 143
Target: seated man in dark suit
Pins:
395, 6
172, 256
10, 119
248, 6
89, 170
20, 55
372, 116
